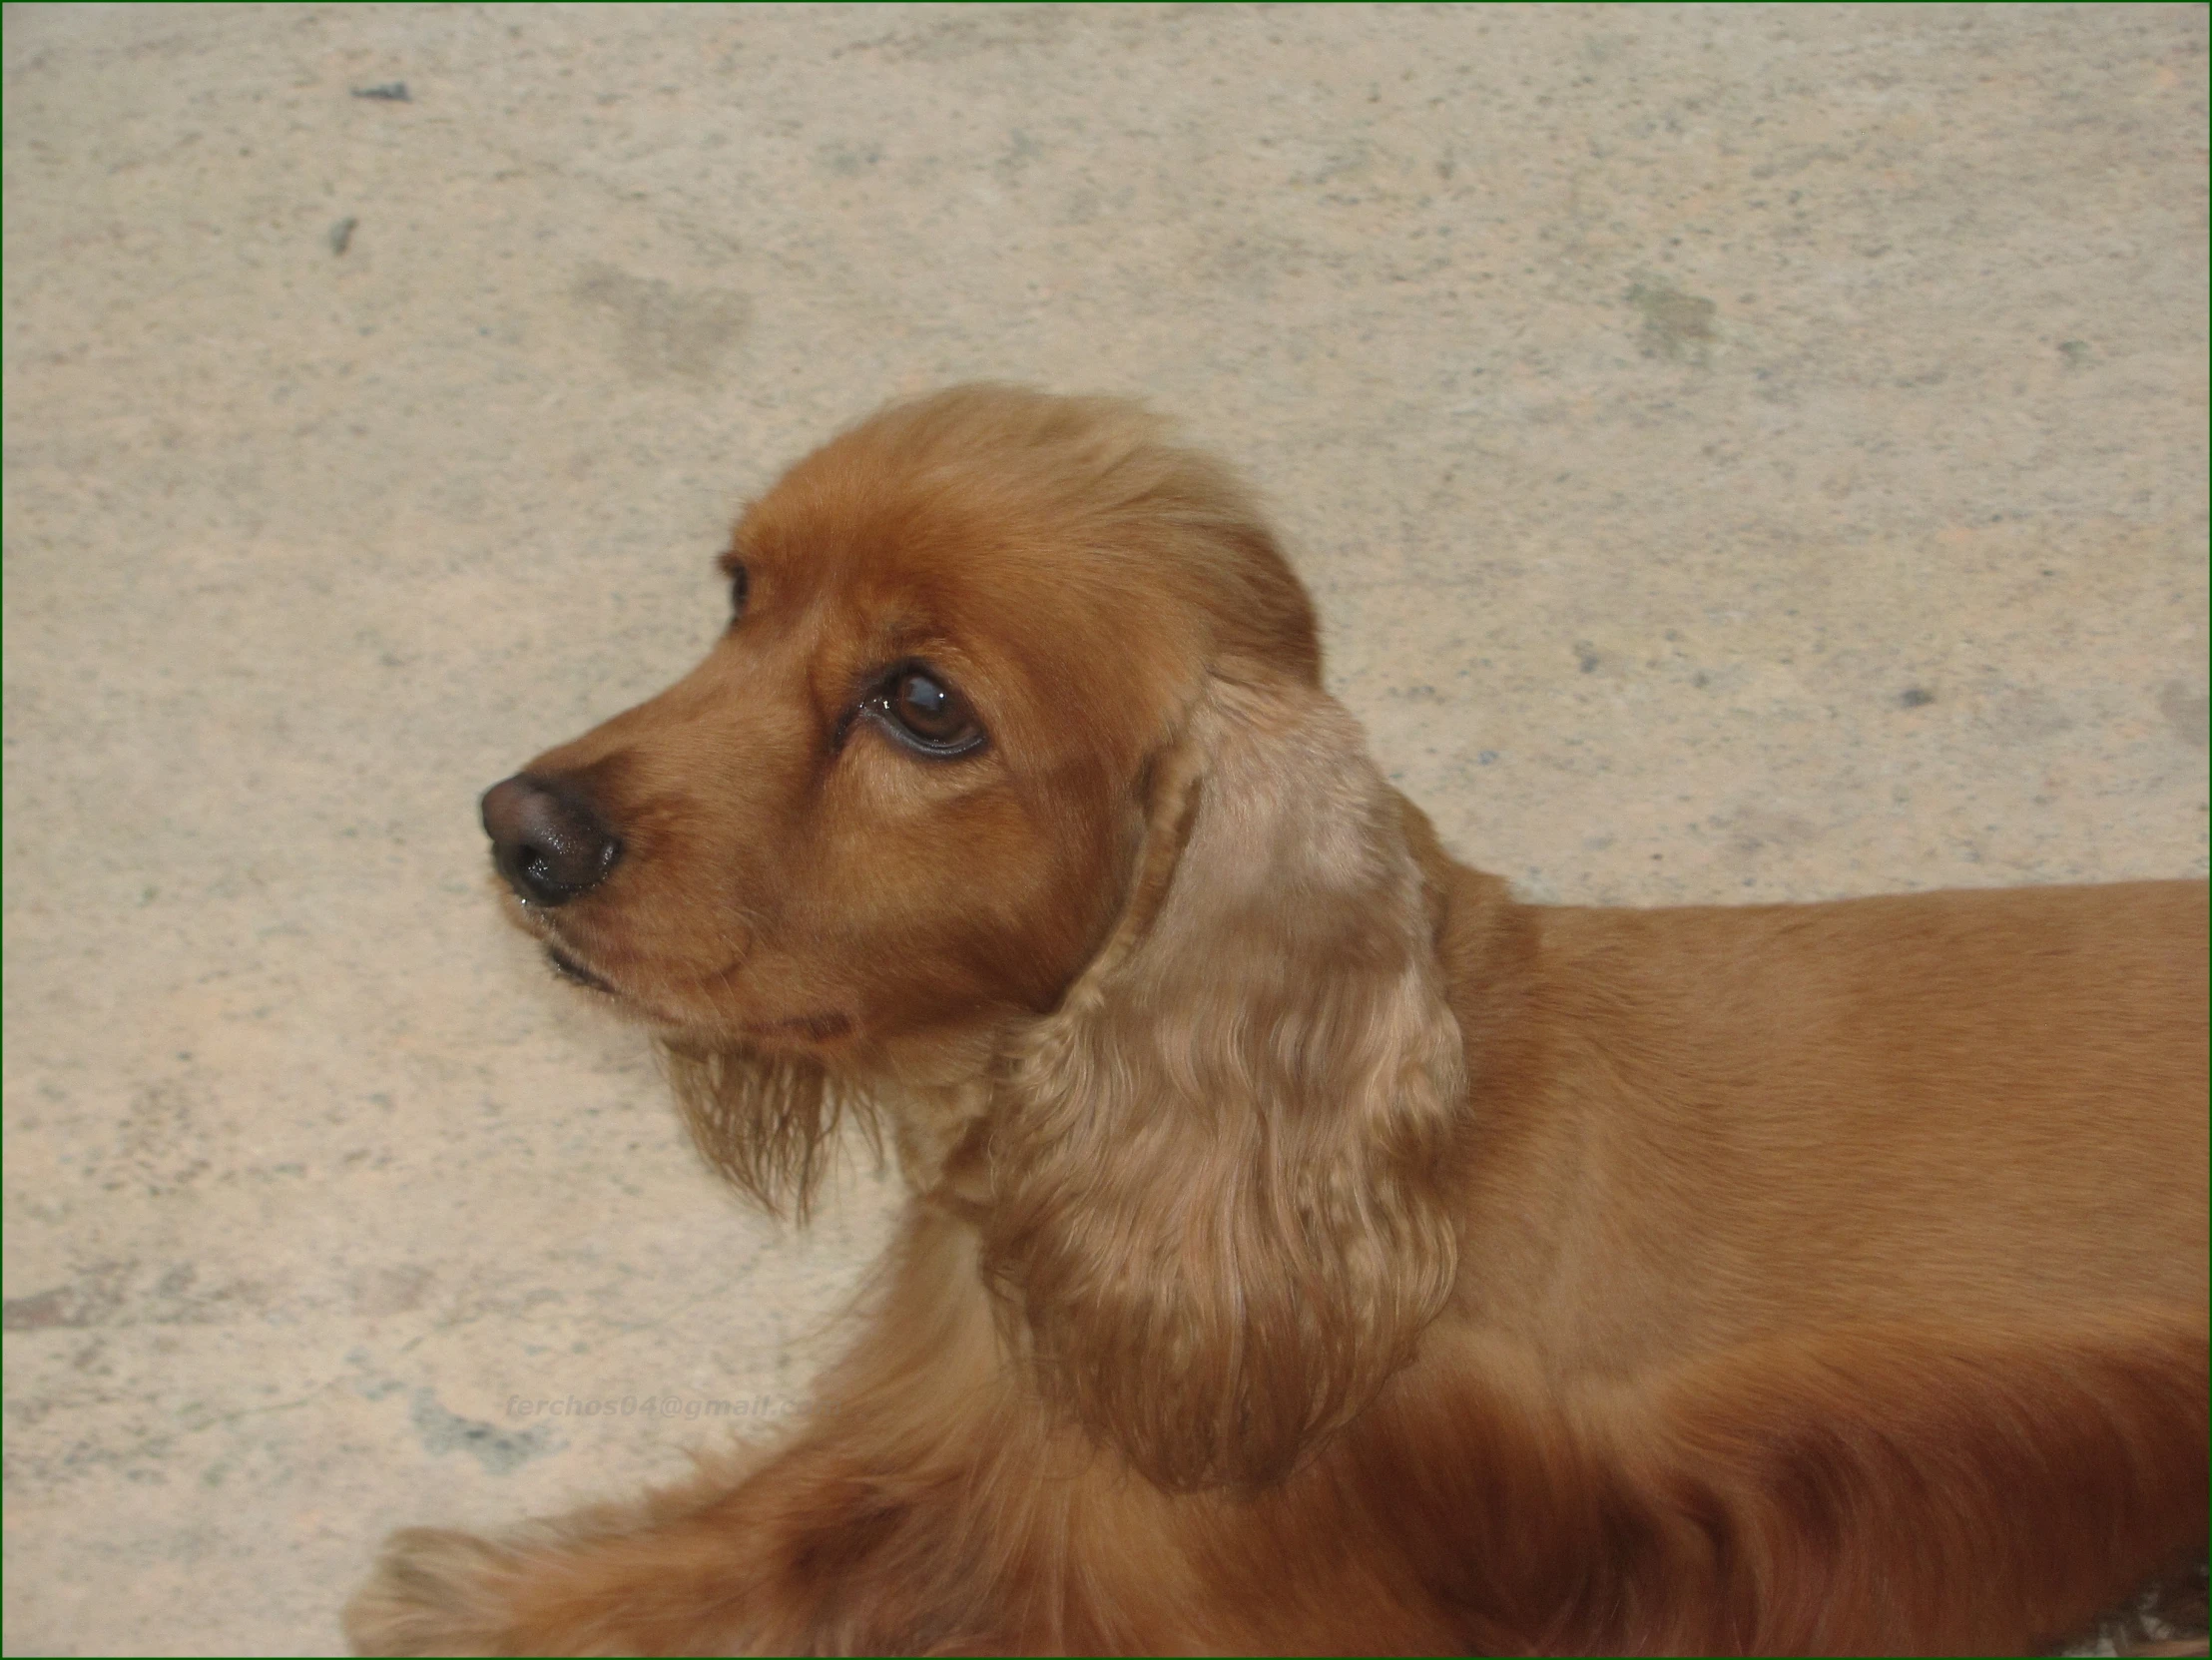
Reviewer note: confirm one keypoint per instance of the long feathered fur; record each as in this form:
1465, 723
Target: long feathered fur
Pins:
1218, 1191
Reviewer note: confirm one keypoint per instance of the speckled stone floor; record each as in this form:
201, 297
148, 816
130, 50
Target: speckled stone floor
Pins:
1740, 454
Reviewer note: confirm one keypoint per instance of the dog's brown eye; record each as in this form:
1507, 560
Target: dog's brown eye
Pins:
737, 588
930, 715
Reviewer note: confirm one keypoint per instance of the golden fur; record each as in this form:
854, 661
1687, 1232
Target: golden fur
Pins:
1311, 1249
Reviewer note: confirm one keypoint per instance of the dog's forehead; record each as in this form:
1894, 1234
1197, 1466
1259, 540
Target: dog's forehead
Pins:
905, 563
936, 542
1066, 531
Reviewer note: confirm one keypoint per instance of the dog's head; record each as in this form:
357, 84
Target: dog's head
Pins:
1013, 765
900, 794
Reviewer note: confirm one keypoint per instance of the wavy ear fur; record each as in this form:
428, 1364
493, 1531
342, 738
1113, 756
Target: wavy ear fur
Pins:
1218, 1169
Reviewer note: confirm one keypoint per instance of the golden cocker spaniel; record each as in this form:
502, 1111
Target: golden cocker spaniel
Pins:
1311, 1248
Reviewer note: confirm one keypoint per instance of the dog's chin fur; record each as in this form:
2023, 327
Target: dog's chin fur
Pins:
1311, 1248
768, 1123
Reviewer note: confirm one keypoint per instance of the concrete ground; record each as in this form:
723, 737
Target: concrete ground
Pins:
1739, 454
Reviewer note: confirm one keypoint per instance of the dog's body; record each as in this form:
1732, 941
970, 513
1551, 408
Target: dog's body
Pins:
1742, 1123
1314, 1249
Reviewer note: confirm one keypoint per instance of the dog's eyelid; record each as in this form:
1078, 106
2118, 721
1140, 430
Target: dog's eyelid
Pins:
918, 705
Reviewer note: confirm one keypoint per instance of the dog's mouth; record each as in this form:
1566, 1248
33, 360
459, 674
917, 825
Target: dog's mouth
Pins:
805, 1031
575, 972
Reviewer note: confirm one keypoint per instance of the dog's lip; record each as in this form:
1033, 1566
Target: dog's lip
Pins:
827, 1025
570, 969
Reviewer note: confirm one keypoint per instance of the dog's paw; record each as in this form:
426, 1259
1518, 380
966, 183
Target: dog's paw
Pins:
434, 1591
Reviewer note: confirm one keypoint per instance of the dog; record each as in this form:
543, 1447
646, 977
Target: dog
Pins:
1312, 1247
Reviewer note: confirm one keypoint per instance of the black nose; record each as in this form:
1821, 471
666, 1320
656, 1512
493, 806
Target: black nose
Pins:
548, 844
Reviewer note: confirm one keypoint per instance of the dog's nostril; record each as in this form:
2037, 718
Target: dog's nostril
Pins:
546, 841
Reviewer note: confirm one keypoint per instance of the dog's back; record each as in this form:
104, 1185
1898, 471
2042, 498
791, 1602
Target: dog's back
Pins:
1726, 1123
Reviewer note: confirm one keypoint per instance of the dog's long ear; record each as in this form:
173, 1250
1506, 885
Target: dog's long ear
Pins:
1218, 1169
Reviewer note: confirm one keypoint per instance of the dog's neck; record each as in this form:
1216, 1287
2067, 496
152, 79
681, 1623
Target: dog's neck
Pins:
932, 1096
937, 1132
1486, 945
